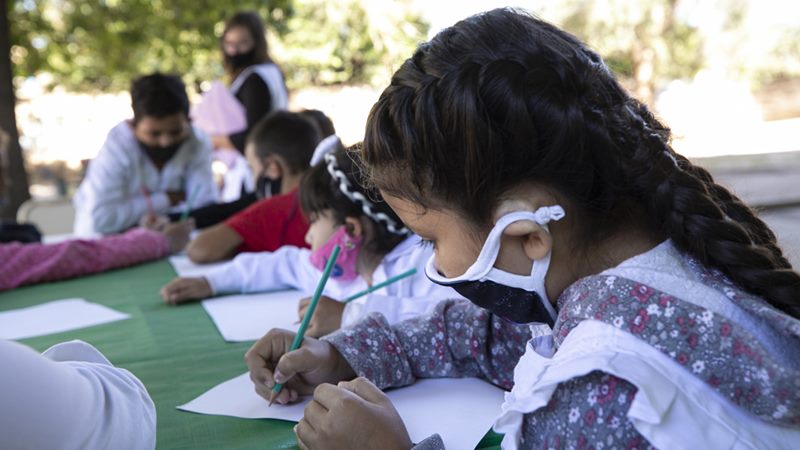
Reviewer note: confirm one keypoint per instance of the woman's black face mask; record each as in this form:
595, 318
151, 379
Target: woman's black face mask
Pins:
240, 60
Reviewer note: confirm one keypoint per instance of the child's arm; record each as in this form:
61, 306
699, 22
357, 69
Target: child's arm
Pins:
36, 263
286, 268
71, 397
214, 244
457, 339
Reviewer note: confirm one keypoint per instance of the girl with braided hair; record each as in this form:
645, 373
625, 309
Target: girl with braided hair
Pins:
375, 246
663, 312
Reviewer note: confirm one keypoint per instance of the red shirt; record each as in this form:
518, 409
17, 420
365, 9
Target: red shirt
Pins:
269, 224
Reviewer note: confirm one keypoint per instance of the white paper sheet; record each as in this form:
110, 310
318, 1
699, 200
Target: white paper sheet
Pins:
461, 410
55, 317
242, 318
185, 268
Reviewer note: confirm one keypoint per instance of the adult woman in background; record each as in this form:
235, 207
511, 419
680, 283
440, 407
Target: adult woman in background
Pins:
257, 82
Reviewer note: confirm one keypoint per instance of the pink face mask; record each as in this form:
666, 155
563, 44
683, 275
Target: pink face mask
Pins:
345, 268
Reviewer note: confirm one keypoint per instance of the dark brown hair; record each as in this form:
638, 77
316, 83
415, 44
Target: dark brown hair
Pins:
250, 21
289, 135
324, 123
158, 95
319, 191
503, 98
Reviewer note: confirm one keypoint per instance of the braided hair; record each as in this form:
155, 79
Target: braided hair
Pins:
337, 184
504, 98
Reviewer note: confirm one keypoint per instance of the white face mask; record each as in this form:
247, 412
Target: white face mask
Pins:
519, 298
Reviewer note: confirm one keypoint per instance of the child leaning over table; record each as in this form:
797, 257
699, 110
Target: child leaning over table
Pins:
375, 247
551, 195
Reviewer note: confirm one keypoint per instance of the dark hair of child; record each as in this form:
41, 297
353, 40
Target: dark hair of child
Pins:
320, 191
288, 135
158, 95
505, 98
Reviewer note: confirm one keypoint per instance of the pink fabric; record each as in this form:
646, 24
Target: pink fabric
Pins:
219, 113
22, 264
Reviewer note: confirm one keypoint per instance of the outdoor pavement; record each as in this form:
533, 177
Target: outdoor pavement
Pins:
770, 183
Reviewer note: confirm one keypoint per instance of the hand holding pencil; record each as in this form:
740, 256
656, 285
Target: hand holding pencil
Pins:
278, 358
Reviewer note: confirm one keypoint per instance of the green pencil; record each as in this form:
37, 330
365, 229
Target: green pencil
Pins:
391, 280
298, 338
192, 195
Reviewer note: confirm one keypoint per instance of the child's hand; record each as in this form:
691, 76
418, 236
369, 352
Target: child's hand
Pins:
154, 222
336, 411
177, 234
315, 362
181, 290
327, 317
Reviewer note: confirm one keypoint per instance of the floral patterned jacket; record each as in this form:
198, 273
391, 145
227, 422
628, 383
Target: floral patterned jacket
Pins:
459, 339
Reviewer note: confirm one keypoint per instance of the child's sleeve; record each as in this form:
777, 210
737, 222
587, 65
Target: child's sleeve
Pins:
287, 268
104, 200
71, 397
200, 188
591, 408
586, 409
36, 263
458, 339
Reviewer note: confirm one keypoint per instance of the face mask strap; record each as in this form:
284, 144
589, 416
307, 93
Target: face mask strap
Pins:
491, 248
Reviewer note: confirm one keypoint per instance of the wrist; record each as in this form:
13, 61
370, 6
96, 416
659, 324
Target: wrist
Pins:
342, 368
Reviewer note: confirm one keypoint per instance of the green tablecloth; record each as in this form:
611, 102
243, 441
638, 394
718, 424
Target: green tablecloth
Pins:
176, 352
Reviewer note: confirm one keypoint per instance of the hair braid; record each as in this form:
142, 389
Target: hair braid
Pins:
706, 220
731, 205
503, 98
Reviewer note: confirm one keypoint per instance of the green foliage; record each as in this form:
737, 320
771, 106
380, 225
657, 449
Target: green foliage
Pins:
103, 44
346, 41
620, 30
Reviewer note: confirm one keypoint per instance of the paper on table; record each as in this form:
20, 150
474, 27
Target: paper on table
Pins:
461, 410
55, 317
248, 317
186, 268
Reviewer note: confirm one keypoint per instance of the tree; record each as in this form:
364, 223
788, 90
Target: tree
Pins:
644, 42
102, 45
13, 179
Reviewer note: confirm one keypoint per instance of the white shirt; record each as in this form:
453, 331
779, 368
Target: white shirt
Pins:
291, 268
272, 77
110, 198
71, 397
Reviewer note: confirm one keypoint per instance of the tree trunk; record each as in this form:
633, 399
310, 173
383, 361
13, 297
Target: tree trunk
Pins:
13, 178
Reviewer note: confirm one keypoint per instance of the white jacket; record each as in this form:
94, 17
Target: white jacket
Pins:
110, 199
291, 268
71, 397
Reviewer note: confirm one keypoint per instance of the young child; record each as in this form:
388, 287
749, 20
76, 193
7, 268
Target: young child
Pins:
149, 164
553, 197
375, 246
280, 148
265, 187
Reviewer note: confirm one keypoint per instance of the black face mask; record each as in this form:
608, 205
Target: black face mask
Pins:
241, 60
158, 154
511, 303
262, 186
518, 298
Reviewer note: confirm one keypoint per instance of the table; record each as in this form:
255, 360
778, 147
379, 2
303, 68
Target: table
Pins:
176, 352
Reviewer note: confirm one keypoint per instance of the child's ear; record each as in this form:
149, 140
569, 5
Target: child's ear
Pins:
353, 226
536, 241
272, 168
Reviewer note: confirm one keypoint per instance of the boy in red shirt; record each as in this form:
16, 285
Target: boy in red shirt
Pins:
279, 147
